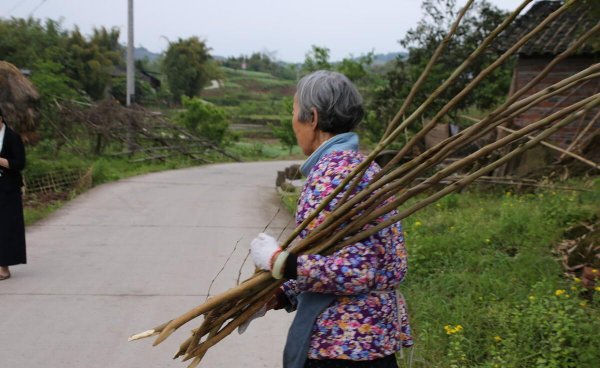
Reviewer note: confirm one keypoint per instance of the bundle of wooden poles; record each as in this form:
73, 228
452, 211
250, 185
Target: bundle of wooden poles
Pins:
391, 188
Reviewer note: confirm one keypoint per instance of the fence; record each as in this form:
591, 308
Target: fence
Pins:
59, 182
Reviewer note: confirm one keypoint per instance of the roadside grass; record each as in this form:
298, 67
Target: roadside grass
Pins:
111, 168
484, 287
484, 261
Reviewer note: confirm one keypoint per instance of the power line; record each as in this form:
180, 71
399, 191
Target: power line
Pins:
37, 7
16, 6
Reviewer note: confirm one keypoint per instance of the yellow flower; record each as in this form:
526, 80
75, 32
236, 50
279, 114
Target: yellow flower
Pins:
576, 279
418, 223
497, 338
594, 270
541, 195
531, 297
573, 288
559, 292
583, 304
508, 194
452, 330
597, 288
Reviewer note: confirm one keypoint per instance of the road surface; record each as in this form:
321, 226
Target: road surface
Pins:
129, 255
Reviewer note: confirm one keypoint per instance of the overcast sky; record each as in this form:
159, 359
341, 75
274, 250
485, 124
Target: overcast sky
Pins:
234, 27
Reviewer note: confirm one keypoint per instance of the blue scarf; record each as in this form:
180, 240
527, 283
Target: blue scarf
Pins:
341, 142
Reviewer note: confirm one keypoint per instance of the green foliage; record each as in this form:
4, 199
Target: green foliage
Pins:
261, 62
316, 59
356, 69
474, 259
421, 43
205, 119
144, 93
26, 42
285, 131
93, 60
52, 83
187, 68
66, 60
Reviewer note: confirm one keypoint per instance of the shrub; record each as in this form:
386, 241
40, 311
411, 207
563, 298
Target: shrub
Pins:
205, 119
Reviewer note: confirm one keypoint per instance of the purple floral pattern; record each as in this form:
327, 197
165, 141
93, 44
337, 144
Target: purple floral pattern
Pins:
363, 323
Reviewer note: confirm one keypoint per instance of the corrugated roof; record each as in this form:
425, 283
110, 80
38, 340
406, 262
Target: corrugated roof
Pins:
557, 36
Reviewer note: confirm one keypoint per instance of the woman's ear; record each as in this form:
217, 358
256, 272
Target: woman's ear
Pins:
315, 118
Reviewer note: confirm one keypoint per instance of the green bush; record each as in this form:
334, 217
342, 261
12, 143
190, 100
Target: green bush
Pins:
205, 119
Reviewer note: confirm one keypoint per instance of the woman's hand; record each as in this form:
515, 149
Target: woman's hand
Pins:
4, 163
271, 304
263, 250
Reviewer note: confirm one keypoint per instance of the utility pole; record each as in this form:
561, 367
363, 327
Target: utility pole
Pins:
130, 98
130, 62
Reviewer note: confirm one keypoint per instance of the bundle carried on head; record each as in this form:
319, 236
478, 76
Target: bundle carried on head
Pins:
394, 184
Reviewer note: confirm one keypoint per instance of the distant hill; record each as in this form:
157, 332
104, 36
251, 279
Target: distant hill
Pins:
381, 59
140, 53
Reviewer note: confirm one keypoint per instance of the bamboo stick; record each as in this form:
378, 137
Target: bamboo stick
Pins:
402, 171
581, 134
242, 289
460, 184
436, 54
392, 188
386, 141
454, 101
556, 148
248, 297
413, 91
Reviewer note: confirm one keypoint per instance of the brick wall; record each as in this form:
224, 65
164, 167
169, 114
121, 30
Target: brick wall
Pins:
528, 67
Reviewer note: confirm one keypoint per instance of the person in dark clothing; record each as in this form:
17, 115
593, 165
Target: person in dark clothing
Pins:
12, 224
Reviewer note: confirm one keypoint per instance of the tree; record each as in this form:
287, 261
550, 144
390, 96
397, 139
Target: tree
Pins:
356, 69
316, 59
421, 42
92, 61
285, 131
25, 42
187, 68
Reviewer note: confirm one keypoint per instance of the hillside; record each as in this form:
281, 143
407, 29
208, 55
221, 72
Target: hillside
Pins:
251, 99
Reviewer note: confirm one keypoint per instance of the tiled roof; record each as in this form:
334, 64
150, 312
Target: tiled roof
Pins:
557, 36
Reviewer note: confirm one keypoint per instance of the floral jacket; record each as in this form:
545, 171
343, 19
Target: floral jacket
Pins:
368, 320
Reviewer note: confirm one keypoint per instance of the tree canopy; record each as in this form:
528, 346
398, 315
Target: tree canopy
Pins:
187, 67
422, 41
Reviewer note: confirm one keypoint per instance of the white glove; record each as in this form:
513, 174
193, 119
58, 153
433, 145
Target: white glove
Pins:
242, 328
262, 249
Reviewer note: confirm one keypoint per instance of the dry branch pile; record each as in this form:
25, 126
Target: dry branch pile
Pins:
19, 100
392, 186
142, 132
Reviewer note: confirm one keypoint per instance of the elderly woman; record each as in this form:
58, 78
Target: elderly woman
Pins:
12, 226
349, 313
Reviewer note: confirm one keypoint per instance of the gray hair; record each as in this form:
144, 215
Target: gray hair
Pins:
336, 99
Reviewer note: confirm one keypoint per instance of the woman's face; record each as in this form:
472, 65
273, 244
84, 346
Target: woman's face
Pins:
305, 131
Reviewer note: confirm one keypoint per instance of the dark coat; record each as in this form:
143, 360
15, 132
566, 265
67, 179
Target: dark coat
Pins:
14, 151
12, 224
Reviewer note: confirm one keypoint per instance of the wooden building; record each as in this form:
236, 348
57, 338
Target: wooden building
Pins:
540, 50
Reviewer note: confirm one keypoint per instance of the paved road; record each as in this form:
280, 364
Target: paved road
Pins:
129, 255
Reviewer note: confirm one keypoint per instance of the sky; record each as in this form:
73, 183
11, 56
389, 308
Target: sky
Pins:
285, 29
